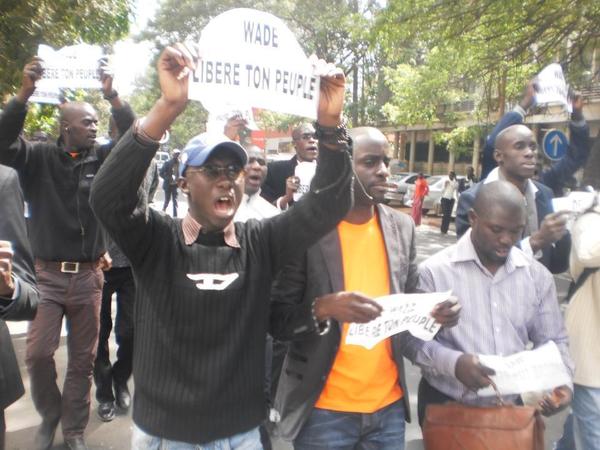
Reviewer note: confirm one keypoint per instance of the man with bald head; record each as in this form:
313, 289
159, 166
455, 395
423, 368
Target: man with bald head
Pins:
281, 182
332, 395
69, 248
508, 300
544, 234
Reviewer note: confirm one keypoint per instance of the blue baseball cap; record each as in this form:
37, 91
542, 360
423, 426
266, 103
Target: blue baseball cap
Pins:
200, 147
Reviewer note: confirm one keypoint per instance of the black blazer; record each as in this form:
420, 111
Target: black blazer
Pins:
12, 228
279, 171
310, 356
554, 257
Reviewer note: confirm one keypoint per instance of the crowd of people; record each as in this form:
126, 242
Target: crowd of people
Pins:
233, 319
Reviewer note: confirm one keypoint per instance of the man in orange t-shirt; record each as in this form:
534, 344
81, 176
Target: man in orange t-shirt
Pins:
333, 395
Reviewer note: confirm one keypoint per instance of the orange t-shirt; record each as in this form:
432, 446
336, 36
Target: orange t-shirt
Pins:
362, 380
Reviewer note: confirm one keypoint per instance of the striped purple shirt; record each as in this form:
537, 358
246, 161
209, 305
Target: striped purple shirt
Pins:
501, 313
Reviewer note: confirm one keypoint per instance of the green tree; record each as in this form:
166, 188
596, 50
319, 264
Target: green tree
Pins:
483, 51
24, 24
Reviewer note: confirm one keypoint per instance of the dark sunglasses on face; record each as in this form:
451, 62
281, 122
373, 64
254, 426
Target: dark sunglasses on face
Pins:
307, 136
254, 159
232, 171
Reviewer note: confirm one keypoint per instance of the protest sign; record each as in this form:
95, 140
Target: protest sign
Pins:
50, 96
305, 172
401, 312
552, 87
249, 57
532, 370
575, 202
70, 67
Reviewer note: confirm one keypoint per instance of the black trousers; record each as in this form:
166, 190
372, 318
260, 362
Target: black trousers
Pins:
429, 395
118, 280
447, 205
170, 193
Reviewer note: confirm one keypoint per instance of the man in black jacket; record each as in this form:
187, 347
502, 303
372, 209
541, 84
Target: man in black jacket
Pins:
201, 325
18, 294
281, 183
545, 235
69, 246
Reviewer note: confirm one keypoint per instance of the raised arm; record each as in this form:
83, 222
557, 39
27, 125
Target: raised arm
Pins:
559, 174
116, 197
330, 196
13, 149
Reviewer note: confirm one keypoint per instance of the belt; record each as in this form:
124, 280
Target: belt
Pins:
68, 266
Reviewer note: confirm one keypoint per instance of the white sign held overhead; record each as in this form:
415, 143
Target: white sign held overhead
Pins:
250, 57
401, 312
552, 87
70, 67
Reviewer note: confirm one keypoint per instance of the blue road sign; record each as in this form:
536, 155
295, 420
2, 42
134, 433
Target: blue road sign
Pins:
555, 144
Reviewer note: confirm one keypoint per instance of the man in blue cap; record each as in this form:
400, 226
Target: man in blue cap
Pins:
203, 282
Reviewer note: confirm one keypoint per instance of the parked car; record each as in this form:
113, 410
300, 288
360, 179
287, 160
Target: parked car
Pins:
161, 158
433, 200
402, 181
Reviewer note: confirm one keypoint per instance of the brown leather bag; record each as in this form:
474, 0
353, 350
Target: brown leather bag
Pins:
455, 426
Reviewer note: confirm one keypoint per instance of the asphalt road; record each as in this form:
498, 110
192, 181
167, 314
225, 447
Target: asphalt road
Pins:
22, 419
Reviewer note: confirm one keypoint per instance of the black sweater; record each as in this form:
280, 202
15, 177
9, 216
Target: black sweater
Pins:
199, 354
57, 188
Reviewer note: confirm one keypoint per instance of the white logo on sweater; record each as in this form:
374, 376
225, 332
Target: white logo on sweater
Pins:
213, 281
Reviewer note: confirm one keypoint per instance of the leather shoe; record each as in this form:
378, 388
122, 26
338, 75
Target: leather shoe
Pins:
106, 411
76, 443
44, 436
122, 396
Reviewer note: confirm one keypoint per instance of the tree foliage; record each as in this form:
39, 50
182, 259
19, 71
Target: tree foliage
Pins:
482, 50
24, 24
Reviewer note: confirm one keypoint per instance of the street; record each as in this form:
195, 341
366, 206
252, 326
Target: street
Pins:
22, 419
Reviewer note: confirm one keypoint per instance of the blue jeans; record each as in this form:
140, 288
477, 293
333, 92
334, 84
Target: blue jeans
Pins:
582, 427
329, 430
586, 413
249, 440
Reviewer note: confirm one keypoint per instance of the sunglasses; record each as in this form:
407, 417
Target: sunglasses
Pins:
232, 172
254, 159
307, 136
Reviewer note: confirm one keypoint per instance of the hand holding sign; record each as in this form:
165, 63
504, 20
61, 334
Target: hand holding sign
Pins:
560, 398
447, 313
173, 66
332, 92
32, 73
346, 307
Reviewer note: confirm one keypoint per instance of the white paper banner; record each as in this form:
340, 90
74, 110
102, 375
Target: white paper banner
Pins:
70, 67
250, 57
50, 96
305, 171
575, 202
401, 312
552, 87
541, 369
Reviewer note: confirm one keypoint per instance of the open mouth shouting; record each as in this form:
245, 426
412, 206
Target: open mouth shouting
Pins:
224, 206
